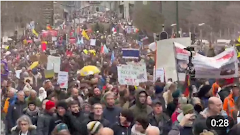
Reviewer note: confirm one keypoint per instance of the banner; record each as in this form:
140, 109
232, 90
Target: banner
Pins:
129, 53
165, 56
224, 65
127, 75
63, 79
158, 74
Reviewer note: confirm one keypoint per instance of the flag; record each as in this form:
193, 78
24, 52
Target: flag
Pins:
129, 53
34, 32
84, 34
102, 49
112, 57
44, 45
144, 38
49, 27
105, 49
187, 84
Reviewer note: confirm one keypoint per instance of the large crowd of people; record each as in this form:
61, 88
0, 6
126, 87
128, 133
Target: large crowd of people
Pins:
97, 104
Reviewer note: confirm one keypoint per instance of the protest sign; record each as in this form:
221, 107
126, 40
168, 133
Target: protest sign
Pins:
130, 53
127, 75
54, 38
54, 63
43, 58
49, 73
63, 79
158, 73
33, 58
141, 71
224, 65
52, 51
93, 42
18, 72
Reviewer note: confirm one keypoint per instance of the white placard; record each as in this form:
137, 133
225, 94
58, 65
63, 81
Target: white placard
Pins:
54, 63
63, 79
52, 51
141, 71
18, 72
93, 42
127, 75
158, 73
54, 38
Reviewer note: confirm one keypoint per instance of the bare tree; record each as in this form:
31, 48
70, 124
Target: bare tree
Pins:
147, 18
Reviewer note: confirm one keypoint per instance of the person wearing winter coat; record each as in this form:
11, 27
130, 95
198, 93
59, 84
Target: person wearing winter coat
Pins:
15, 111
32, 112
44, 119
110, 112
33, 98
63, 116
159, 119
124, 124
141, 107
24, 127
184, 122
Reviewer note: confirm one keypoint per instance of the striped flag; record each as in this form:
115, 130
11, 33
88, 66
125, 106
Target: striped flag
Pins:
186, 85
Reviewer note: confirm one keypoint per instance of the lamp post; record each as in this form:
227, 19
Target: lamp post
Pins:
177, 19
201, 24
173, 25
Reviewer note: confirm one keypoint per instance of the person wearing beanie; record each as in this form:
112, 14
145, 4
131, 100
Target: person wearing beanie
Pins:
184, 122
94, 127
61, 129
172, 106
63, 116
125, 123
44, 119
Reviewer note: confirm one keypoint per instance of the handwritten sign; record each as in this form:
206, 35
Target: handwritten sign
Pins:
127, 75
63, 79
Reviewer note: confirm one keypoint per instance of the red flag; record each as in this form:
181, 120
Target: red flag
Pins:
187, 84
44, 46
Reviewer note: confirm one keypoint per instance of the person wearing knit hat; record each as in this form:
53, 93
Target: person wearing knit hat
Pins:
50, 106
45, 118
61, 129
62, 104
172, 106
94, 127
186, 109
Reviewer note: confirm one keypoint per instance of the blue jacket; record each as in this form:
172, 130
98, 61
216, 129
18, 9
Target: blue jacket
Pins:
111, 114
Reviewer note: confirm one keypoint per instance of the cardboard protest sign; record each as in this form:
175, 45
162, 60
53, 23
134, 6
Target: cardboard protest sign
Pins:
33, 58
49, 73
43, 58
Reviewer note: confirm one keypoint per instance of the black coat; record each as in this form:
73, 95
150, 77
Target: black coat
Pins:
67, 119
118, 129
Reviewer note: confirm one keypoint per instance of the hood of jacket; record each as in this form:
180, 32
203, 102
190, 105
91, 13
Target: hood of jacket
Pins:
17, 128
138, 92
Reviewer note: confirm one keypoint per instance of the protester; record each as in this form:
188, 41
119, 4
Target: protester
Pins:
24, 126
70, 80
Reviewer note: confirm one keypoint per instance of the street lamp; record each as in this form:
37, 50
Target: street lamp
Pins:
172, 25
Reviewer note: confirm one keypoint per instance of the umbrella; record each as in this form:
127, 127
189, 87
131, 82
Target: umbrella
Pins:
88, 70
